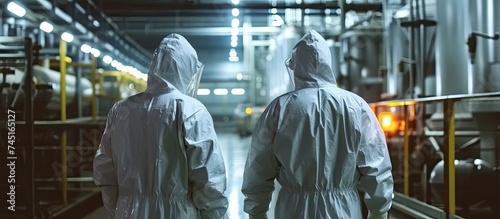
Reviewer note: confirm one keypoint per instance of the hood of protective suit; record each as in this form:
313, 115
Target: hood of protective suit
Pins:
175, 65
311, 62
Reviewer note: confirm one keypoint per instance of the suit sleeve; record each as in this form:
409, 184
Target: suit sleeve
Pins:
104, 169
374, 165
261, 166
206, 171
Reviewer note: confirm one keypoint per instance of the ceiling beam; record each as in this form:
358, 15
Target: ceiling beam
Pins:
203, 31
115, 8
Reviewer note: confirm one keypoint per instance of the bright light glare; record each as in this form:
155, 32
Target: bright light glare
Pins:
234, 43
402, 13
235, 1
107, 59
274, 10
220, 91
232, 53
95, 52
86, 48
114, 63
234, 31
235, 22
16, 9
203, 92
67, 37
96, 23
234, 38
328, 20
46, 27
235, 12
237, 91
239, 76
386, 121
234, 59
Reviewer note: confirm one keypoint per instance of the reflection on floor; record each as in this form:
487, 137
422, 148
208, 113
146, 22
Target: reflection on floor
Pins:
235, 151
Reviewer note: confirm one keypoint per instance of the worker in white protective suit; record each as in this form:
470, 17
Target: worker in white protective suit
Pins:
321, 143
159, 155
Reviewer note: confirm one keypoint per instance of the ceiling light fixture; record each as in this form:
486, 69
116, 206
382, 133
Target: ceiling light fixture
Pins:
235, 12
46, 27
67, 37
16, 9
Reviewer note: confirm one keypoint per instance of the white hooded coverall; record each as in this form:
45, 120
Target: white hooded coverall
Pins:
159, 155
321, 143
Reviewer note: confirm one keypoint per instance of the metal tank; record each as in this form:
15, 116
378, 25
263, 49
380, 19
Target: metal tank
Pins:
486, 71
280, 50
468, 174
362, 54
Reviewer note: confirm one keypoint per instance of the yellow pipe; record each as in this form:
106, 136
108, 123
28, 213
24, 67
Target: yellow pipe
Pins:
62, 65
449, 158
406, 154
101, 84
118, 82
94, 99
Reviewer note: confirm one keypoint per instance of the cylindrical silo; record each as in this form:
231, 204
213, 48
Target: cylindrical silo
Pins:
452, 56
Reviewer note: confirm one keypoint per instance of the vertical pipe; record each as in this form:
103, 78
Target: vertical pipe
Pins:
28, 116
93, 80
449, 157
406, 153
62, 55
411, 51
78, 86
342, 15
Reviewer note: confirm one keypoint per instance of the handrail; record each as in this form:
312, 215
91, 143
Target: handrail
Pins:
455, 97
448, 137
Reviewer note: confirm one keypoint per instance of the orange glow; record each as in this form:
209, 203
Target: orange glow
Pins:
387, 122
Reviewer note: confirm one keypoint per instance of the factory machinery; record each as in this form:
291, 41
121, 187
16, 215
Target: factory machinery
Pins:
433, 79
50, 141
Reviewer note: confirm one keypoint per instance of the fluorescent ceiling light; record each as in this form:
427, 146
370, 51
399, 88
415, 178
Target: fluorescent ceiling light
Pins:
114, 63
95, 52
96, 23
67, 37
235, 12
234, 38
234, 43
107, 59
220, 91
86, 48
274, 10
233, 53
46, 27
16, 9
237, 91
235, 23
203, 92
235, 1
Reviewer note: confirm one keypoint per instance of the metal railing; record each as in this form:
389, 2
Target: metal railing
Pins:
448, 134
